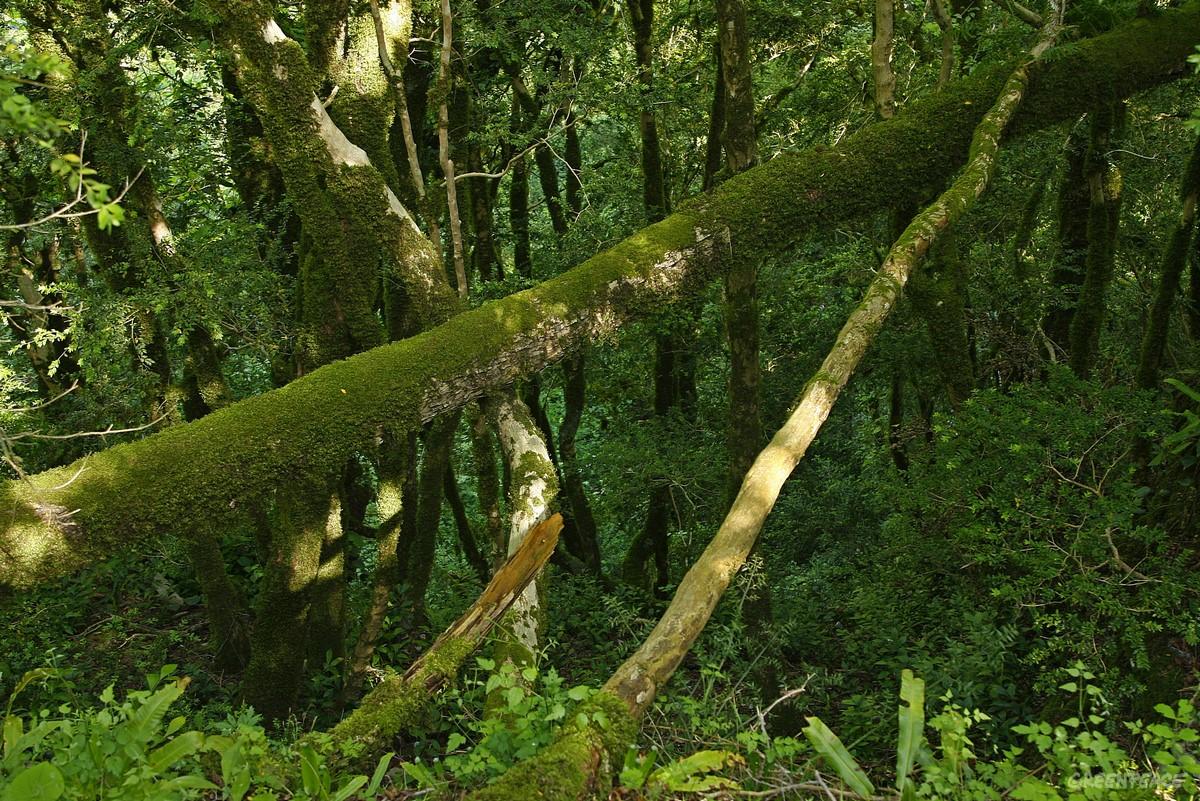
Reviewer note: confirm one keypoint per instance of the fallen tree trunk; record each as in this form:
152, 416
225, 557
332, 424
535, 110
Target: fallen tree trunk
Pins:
399, 700
220, 467
580, 762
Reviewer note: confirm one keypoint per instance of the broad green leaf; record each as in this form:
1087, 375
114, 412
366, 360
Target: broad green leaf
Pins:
380, 772
144, 723
39, 782
309, 773
182, 746
351, 787
912, 726
829, 746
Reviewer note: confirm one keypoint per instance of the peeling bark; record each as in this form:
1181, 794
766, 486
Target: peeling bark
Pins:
532, 489
399, 700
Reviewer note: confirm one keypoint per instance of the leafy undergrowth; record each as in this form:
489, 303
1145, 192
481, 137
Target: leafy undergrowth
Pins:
135, 749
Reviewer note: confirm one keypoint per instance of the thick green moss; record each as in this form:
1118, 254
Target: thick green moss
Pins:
397, 703
579, 764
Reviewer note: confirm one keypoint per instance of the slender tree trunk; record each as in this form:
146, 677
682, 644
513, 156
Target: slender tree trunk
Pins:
716, 123
1104, 190
896, 444
1154, 339
439, 441
741, 279
228, 615
462, 524
1193, 306
456, 235
881, 59
1070, 262
393, 471
944, 21
533, 487
483, 452
938, 293
574, 400
652, 541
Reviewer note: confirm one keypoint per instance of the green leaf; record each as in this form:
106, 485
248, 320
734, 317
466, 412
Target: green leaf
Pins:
182, 746
829, 746
144, 723
692, 774
30, 677
310, 774
380, 772
912, 726
351, 787
423, 775
39, 782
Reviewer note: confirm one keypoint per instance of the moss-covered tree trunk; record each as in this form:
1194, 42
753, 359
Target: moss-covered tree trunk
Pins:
1104, 210
277, 653
1070, 260
938, 292
1154, 339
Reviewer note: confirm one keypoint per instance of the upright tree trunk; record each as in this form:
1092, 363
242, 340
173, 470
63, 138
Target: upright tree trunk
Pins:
587, 545
652, 540
881, 59
1104, 191
444, 79
277, 652
532, 489
741, 279
327, 597
938, 292
439, 440
716, 123
1070, 261
1154, 340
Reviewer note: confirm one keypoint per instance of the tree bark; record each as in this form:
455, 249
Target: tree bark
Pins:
1104, 210
881, 59
1070, 261
532, 489
1154, 339
938, 293
279, 642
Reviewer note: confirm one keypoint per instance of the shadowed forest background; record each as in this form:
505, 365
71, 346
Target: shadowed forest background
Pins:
542, 399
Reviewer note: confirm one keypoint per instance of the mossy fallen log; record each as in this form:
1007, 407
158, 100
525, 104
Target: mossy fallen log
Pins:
219, 468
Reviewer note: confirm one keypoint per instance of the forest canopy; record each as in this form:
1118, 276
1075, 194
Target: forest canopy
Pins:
550, 399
